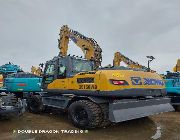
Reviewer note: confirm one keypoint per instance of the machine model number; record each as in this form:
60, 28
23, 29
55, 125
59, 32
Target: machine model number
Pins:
87, 86
117, 75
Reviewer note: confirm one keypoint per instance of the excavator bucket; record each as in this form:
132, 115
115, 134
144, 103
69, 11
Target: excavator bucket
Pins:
132, 109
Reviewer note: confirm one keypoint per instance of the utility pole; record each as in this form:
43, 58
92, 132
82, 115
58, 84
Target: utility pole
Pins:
151, 58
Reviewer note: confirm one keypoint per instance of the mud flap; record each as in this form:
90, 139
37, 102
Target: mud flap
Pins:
124, 110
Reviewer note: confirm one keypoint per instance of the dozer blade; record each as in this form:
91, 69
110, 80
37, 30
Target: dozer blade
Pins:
131, 109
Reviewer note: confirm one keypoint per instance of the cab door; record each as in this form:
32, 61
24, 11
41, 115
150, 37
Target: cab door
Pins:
49, 75
60, 80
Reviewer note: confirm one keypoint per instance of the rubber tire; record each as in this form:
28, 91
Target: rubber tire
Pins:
93, 112
35, 99
105, 116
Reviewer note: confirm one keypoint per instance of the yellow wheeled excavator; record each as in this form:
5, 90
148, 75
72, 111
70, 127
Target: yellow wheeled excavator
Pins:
95, 96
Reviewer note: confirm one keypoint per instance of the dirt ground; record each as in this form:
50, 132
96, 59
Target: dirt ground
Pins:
162, 127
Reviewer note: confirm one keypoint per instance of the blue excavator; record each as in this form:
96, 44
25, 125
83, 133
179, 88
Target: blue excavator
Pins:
6, 69
10, 105
172, 81
9, 68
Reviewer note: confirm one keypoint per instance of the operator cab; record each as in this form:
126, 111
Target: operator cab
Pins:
65, 67
171, 75
9, 68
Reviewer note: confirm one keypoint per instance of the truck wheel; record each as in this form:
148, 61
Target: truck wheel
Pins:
105, 116
84, 114
34, 104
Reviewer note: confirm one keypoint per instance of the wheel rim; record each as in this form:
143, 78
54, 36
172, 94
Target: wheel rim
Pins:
80, 116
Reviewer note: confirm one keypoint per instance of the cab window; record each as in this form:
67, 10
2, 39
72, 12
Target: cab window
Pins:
82, 65
50, 70
10, 75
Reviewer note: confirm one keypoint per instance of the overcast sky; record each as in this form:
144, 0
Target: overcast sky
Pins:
29, 29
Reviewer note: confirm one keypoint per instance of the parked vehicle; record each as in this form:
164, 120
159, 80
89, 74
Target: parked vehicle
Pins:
21, 83
95, 96
172, 80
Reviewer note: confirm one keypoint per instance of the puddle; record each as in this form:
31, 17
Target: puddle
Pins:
157, 135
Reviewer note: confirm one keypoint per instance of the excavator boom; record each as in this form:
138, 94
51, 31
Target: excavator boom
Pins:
118, 58
36, 70
89, 46
177, 67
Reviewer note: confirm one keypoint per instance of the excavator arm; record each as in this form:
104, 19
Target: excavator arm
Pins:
89, 46
177, 67
1, 81
118, 58
36, 70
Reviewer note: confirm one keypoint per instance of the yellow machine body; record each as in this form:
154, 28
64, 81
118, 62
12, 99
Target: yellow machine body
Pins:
102, 81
